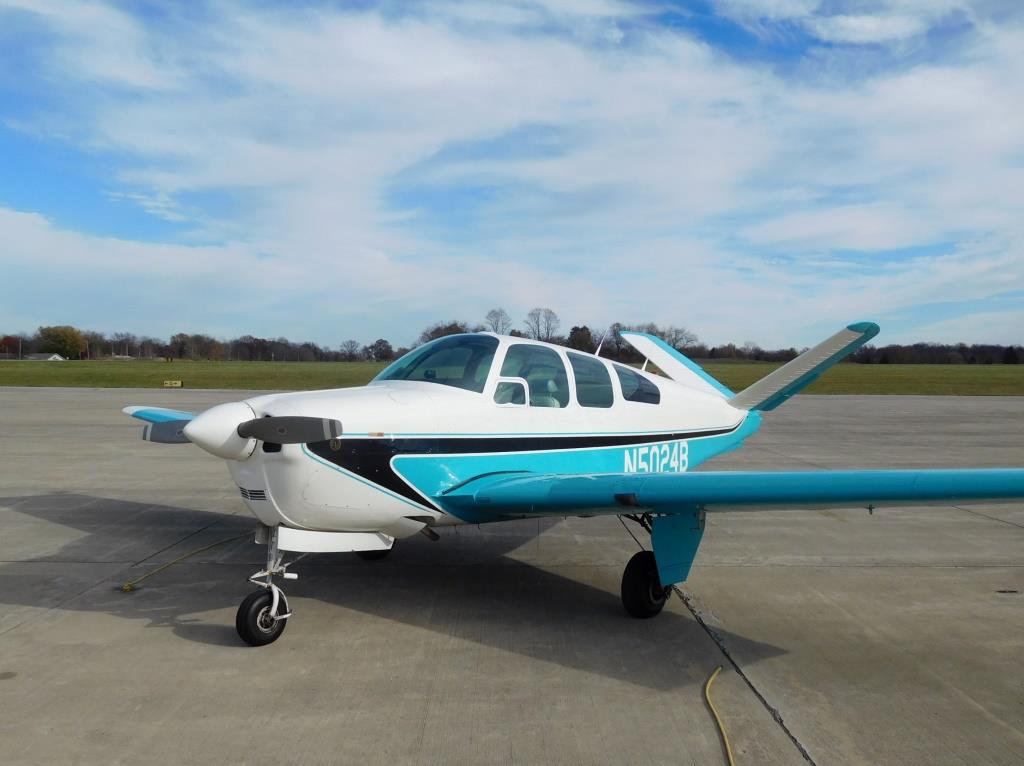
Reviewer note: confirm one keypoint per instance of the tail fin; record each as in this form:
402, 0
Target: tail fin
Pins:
772, 390
674, 364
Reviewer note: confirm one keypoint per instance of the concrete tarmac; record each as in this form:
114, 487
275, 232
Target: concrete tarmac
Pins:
896, 638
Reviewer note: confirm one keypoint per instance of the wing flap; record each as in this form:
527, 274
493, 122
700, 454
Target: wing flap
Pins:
551, 494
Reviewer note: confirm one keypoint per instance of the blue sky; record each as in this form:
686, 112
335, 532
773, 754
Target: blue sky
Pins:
754, 171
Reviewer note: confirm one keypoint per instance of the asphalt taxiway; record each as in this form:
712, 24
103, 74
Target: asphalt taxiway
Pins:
846, 638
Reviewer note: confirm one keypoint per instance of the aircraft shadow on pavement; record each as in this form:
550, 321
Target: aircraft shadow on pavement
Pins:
464, 586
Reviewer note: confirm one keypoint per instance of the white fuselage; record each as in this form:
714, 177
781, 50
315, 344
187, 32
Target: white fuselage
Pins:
404, 442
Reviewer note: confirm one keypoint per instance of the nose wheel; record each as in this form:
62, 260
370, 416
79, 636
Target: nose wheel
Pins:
263, 615
255, 620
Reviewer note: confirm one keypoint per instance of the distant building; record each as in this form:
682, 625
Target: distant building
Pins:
44, 358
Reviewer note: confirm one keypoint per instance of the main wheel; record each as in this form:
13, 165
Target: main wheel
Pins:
642, 592
376, 555
253, 621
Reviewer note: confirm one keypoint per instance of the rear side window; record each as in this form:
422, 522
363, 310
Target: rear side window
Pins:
635, 387
543, 371
593, 384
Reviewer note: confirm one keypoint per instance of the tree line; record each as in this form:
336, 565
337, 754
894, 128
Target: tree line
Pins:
540, 324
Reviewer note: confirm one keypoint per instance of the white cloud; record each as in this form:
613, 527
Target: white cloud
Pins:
866, 29
870, 227
879, 22
747, 10
681, 176
97, 42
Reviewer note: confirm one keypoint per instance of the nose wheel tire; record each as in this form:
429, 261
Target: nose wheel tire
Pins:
255, 623
642, 593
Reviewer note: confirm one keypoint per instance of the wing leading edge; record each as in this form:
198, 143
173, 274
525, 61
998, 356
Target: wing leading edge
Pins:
551, 494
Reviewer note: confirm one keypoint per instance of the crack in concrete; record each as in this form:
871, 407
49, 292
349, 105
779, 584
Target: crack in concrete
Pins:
991, 518
720, 643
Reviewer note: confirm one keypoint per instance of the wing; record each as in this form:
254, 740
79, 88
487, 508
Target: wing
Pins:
552, 494
680, 500
157, 414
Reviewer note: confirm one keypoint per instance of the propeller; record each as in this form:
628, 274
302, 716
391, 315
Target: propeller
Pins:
290, 429
168, 432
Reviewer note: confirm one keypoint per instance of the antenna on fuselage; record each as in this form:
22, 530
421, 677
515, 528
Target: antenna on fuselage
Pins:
601, 343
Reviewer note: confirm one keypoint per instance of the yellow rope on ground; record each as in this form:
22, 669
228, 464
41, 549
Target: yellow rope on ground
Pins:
718, 719
129, 586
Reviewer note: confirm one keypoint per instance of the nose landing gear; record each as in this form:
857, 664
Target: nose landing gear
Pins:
262, 615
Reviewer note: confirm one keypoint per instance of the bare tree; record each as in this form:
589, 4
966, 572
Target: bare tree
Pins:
349, 350
677, 337
541, 324
498, 321
533, 323
680, 337
549, 324
125, 342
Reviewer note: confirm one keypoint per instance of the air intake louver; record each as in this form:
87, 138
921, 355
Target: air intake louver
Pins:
253, 494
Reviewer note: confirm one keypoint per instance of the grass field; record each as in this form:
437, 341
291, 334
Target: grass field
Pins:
965, 380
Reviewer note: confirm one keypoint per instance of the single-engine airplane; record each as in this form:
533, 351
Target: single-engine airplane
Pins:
479, 428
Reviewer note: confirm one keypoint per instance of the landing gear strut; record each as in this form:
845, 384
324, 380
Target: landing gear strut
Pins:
262, 616
643, 595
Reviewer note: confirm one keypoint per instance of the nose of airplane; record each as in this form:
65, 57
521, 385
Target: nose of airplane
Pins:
216, 431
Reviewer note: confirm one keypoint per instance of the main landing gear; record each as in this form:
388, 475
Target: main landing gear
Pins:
262, 616
643, 595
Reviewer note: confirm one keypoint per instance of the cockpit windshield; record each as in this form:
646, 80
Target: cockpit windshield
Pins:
462, 361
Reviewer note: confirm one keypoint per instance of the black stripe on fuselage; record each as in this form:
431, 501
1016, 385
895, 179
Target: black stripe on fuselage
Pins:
370, 459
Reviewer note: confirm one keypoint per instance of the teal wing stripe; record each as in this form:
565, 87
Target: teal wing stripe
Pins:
157, 414
727, 490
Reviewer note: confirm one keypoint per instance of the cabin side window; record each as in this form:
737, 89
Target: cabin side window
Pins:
543, 371
635, 387
593, 383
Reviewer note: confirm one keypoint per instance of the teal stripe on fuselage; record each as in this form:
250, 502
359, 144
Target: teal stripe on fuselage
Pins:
432, 475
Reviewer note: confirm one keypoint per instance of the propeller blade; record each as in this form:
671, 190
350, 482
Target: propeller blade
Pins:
168, 432
290, 429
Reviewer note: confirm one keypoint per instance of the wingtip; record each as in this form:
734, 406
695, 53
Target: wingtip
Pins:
871, 329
